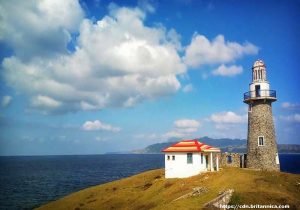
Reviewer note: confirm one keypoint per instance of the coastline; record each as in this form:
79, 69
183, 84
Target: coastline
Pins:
151, 190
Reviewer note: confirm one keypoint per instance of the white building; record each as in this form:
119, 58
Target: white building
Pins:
190, 157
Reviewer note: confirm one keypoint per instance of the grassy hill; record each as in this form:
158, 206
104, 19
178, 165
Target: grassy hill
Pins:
150, 190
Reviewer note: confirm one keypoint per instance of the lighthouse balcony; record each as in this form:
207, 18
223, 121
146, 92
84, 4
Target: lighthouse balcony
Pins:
260, 95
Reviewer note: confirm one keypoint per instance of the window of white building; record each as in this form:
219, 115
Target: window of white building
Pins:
189, 158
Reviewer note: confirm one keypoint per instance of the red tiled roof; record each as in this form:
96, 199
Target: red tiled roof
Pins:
191, 146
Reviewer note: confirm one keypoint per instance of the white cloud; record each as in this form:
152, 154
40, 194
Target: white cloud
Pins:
118, 62
6, 100
39, 28
291, 118
41, 101
228, 117
227, 124
285, 105
288, 105
188, 88
228, 71
101, 139
98, 125
176, 134
183, 128
186, 123
146, 6
222, 126
202, 51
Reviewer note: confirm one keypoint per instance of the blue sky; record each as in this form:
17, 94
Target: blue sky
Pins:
89, 77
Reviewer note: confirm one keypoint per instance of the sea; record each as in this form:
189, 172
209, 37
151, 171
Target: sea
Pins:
27, 182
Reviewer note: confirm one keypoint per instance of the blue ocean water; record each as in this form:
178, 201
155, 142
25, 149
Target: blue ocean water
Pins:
28, 182
290, 163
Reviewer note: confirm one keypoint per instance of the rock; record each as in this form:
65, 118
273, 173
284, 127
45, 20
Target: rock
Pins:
222, 199
196, 192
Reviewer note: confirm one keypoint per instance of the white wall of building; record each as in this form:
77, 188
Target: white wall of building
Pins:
179, 168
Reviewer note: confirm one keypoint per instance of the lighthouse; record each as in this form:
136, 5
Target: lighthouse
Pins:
261, 142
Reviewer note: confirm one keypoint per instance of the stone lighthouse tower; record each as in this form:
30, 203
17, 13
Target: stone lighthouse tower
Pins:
261, 141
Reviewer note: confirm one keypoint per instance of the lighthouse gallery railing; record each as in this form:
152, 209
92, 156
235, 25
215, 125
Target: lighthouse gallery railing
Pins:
260, 94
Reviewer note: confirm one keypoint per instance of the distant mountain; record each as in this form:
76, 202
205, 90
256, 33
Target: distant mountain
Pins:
225, 144
289, 148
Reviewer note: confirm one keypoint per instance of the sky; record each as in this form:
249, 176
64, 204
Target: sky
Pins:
90, 77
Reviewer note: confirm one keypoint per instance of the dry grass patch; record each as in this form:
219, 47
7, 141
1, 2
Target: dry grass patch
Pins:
150, 190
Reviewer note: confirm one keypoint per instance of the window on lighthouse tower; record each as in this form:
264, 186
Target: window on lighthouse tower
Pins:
261, 141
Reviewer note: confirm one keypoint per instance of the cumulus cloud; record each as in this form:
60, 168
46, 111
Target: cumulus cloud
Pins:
118, 61
188, 88
288, 105
183, 128
228, 117
291, 118
98, 125
6, 100
44, 102
39, 28
202, 51
228, 71
146, 6
186, 123
228, 124
175, 134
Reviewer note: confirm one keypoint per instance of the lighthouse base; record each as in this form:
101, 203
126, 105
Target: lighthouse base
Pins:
257, 161
261, 143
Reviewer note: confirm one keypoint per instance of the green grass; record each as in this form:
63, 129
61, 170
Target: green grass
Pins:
235, 199
150, 190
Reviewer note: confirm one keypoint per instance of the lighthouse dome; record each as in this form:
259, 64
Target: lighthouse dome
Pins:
259, 63
259, 71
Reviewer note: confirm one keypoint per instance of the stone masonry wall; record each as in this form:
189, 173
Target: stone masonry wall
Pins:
260, 123
235, 160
